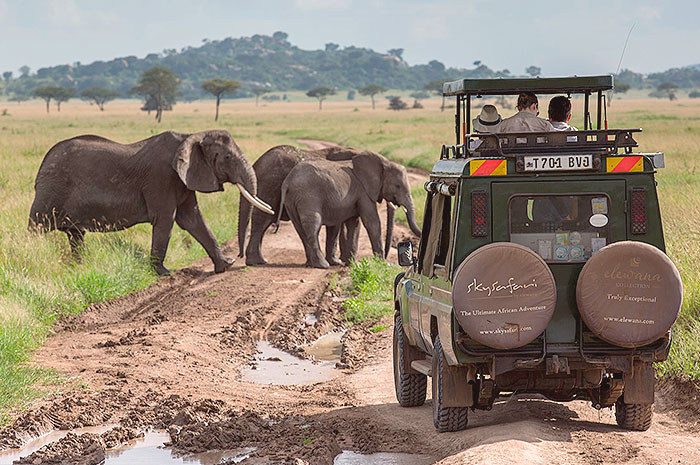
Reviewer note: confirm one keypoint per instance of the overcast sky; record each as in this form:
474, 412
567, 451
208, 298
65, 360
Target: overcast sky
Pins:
562, 37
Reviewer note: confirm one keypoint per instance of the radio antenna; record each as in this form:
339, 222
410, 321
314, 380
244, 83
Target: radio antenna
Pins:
619, 63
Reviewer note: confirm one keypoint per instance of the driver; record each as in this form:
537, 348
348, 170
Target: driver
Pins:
526, 119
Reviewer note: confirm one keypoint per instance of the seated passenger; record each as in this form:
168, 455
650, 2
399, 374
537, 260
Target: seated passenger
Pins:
526, 119
560, 113
488, 122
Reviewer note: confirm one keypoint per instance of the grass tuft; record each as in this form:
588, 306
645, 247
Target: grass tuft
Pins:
371, 287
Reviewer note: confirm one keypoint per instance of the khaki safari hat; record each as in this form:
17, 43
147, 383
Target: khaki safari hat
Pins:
488, 121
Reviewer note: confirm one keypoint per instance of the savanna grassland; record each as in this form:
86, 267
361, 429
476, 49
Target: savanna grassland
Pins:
40, 281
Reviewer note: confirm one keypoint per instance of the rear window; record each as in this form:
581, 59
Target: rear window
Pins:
561, 228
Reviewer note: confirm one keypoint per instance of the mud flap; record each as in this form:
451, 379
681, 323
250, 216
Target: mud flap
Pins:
639, 384
456, 389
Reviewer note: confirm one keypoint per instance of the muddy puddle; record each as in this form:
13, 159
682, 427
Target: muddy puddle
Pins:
148, 450
381, 458
9, 456
274, 366
327, 347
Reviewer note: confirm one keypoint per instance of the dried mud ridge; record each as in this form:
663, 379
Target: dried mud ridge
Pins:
169, 357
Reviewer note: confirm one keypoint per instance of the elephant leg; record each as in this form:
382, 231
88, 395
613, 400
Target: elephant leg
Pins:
260, 222
76, 239
349, 238
332, 233
370, 220
160, 237
309, 225
189, 218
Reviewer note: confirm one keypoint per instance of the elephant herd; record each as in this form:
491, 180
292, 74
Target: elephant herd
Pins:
89, 183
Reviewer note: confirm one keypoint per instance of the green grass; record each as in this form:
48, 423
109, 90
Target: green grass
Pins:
371, 287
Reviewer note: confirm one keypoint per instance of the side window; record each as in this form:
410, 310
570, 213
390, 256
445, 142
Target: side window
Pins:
426, 233
435, 245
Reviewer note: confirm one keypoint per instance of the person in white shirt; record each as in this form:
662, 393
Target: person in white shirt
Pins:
526, 119
560, 113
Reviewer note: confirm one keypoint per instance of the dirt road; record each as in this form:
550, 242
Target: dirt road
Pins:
170, 357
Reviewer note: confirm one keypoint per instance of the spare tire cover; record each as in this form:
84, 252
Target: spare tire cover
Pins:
503, 295
629, 293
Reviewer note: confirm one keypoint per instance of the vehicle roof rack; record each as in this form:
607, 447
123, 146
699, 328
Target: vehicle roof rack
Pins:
514, 86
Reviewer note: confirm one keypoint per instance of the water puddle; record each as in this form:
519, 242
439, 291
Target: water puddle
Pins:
149, 450
327, 347
310, 319
274, 366
9, 456
381, 458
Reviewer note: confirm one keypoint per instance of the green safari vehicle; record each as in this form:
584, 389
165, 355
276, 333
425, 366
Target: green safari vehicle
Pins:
541, 266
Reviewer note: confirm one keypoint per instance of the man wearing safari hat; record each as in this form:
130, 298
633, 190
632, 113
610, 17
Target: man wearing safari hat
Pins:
488, 121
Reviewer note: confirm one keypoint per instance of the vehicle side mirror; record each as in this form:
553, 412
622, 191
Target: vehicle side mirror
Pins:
405, 253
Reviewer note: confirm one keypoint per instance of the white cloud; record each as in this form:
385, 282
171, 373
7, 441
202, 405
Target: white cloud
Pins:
322, 4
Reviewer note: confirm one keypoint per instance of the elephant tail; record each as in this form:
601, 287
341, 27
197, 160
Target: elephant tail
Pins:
281, 209
244, 212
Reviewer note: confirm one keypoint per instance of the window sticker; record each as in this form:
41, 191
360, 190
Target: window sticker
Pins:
599, 205
597, 243
561, 237
575, 238
544, 248
561, 253
576, 253
598, 220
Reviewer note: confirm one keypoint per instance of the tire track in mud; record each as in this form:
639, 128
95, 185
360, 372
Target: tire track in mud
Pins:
169, 357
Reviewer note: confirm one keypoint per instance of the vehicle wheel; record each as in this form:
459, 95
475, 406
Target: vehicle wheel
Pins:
636, 417
410, 388
445, 418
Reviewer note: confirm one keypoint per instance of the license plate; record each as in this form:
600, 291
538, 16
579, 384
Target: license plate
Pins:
558, 162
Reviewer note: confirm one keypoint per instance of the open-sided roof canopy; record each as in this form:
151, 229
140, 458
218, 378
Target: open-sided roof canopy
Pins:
506, 86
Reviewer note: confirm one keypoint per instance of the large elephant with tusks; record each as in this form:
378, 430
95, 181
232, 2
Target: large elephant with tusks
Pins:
90, 183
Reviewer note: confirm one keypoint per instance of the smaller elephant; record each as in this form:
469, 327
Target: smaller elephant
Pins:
321, 192
90, 183
271, 169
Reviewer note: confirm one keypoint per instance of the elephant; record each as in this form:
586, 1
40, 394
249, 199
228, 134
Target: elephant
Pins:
271, 169
89, 183
321, 192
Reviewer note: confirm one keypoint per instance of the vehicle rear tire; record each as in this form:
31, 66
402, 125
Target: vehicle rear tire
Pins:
410, 388
446, 419
636, 417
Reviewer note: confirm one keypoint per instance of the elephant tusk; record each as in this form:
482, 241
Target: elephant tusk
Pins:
256, 202
393, 205
405, 210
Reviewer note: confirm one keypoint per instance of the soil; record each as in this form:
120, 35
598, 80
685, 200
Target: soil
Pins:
170, 357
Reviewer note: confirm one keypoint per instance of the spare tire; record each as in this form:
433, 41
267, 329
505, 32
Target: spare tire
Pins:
629, 293
503, 295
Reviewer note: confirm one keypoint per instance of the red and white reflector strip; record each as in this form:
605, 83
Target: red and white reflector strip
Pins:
625, 164
488, 167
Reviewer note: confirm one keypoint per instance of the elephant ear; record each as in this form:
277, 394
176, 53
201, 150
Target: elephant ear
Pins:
369, 169
193, 165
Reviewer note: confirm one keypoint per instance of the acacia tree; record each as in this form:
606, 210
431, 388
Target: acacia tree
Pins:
533, 70
48, 93
158, 86
668, 89
320, 93
99, 95
372, 90
258, 91
63, 94
218, 88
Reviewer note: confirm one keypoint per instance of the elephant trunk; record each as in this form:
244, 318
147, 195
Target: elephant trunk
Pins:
411, 217
244, 213
390, 211
247, 182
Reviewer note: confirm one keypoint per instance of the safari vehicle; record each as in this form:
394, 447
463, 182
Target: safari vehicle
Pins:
541, 267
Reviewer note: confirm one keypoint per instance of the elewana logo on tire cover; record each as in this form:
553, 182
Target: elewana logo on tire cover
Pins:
629, 293
504, 295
